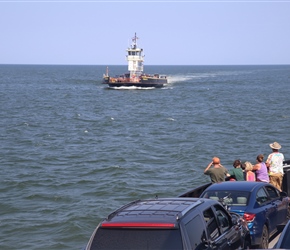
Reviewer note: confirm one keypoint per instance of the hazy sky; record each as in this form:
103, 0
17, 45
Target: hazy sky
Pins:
170, 32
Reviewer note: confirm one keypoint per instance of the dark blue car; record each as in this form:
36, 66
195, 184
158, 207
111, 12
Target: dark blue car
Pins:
261, 205
284, 239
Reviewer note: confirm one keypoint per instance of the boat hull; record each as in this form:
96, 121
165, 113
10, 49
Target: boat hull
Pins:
143, 83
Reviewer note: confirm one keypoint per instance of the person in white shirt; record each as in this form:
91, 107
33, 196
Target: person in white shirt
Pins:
275, 165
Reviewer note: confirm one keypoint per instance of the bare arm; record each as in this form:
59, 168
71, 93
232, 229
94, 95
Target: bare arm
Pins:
268, 160
256, 167
227, 174
208, 166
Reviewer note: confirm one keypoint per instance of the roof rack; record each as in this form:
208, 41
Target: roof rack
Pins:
179, 215
121, 208
193, 205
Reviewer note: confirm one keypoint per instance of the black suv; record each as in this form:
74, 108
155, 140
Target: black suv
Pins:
170, 223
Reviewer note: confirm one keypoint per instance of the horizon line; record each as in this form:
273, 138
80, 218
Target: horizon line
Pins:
60, 64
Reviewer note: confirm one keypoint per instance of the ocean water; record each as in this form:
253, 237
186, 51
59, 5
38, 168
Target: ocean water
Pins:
73, 150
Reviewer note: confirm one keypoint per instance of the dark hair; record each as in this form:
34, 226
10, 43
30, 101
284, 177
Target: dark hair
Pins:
243, 166
237, 163
260, 158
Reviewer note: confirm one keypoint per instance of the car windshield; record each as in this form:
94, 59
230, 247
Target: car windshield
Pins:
123, 238
231, 198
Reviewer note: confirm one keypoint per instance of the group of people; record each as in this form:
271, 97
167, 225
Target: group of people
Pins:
270, 171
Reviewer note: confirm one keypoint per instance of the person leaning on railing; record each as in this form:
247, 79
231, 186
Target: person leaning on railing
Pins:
249, 174
261, 169
237, 173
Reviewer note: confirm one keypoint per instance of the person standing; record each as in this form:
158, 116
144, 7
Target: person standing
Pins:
275, 164
261, 169
218, 172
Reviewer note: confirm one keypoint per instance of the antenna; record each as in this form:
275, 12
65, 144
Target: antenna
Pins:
134, 40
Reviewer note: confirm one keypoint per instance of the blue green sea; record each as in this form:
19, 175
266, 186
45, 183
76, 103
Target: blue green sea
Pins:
73, 150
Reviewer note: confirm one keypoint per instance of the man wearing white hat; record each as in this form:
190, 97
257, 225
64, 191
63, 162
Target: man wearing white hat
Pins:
275, 164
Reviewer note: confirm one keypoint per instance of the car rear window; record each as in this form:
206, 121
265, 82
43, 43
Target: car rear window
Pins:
123, 238
232, 197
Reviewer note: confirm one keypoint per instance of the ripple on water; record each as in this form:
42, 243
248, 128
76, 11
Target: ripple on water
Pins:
72, 151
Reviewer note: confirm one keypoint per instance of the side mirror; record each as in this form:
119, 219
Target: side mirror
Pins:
283, 194
234, 221
235, 218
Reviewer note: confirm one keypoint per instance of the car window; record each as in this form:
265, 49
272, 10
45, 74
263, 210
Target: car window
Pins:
272, 192
223, 218
261, 196
196, 229
212, 225
230, 197
132, 239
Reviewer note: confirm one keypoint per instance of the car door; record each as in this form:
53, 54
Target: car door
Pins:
215, 235
277, 202
194, 235
229, 232
267, 211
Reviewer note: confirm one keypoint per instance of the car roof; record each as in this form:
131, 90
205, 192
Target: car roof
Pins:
161, 209
236, 185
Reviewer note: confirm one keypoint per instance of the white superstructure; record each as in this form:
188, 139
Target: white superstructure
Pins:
135, 60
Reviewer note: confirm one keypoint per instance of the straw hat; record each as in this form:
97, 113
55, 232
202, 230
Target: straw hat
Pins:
275, 145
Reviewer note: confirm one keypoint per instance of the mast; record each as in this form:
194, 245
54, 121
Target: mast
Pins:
135, 59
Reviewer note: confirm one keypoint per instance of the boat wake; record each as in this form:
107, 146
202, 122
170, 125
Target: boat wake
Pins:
186, 78
178, 78
191, 76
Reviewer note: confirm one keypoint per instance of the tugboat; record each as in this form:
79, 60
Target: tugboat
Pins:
135, 77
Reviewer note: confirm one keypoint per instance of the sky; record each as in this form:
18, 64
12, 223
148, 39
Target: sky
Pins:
229, 32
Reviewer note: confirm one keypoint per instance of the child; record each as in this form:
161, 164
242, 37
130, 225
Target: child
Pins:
249, 174
237, 172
